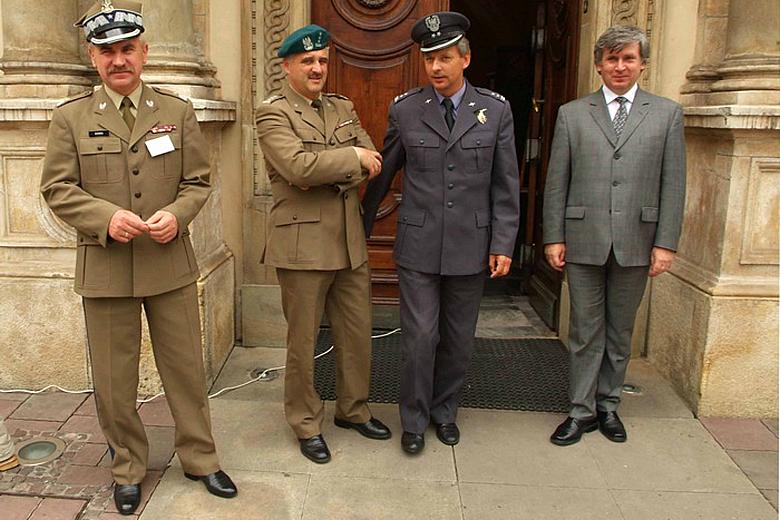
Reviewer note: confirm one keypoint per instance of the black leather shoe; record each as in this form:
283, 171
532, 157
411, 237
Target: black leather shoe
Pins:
315, 449
571, 430
127, 497
448, 433
373, 429
412, 442
612, 427
218, 484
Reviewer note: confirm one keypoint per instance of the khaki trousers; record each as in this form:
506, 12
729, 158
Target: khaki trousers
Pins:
344, 295
114, 334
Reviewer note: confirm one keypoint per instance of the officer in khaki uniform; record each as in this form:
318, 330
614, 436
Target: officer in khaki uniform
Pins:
317, 154
127, 166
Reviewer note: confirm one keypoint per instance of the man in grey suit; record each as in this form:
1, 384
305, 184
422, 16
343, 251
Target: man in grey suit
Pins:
458, 217
613, 205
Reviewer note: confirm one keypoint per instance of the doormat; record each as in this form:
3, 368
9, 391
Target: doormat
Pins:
505, 374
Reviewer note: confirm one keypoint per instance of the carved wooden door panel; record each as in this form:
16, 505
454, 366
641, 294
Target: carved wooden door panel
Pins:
561, 37
372, 60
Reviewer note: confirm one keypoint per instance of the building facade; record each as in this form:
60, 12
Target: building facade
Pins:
710, 325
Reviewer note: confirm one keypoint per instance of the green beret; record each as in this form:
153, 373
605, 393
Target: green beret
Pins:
306, 39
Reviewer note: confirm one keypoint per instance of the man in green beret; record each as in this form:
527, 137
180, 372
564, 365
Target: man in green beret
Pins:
127, 166
316, 155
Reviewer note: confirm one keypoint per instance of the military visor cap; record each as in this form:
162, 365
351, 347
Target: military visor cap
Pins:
306, 39
440, 30
111, 21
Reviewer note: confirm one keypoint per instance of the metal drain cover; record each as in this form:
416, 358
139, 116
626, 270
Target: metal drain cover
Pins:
40, 450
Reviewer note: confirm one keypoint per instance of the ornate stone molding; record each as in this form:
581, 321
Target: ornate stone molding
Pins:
276, 19
733, 117
724, 285
624, 12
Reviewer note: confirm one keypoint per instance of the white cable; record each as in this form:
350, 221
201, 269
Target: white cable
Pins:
212, 396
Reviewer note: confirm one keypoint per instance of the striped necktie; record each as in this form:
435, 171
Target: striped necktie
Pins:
620, 117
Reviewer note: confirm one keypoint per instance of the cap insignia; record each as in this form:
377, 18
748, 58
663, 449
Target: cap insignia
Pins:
433, 23
307, 43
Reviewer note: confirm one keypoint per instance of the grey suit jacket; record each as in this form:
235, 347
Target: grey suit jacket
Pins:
461, 189
603, 192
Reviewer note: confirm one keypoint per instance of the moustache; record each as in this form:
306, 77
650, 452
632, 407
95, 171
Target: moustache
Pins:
119, 70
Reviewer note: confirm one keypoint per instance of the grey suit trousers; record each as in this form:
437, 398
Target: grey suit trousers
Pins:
604, 301
438, 320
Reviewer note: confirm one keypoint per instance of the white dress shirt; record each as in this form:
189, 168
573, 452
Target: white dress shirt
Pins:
613, 105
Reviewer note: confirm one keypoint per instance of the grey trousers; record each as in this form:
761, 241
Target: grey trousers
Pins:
604, 301
438, 320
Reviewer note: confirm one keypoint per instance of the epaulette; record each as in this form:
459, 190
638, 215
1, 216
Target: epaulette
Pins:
271, 99
80, 95
406, 94
170, 93
340, 96
490, 93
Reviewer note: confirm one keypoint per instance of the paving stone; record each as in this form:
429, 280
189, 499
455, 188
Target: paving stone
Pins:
14, 396
161, 446
74, 475
771, 496
15, 426
156, 413
17, 508
87, 407
741, 434
116, 516
771, 424
759, 466
58, 509
50, 406
148, 485
238, 369
658, 399
85, 424
669, 505
7, 406
90, 454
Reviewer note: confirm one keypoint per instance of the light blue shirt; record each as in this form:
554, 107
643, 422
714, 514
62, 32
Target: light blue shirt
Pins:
456, 98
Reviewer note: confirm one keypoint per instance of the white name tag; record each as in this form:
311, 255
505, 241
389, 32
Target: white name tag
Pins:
160, 145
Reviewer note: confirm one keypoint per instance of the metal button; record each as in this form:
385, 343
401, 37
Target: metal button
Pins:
479, 142
100, 147
349, 176
422, 141
406, 219
346, 196
615, 183
295, 217
450, 167
135, 171
617, 155
450, 186
137, 194
450, 204
332, 141
134, 149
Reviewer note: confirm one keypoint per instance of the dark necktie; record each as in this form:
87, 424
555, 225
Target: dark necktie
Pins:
620, 117
127, 115
449, 113
317, 106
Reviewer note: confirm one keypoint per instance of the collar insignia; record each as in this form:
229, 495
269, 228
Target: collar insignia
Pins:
150, 103
427, 101
102, 105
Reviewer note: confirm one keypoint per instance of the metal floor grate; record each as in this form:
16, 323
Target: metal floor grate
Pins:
505, 374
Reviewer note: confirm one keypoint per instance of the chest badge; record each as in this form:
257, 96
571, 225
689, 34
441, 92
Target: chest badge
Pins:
102, 106
482, 116
162, 129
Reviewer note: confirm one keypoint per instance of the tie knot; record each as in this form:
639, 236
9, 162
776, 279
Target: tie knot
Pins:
448, 104
621, 100
316, 104
126, 103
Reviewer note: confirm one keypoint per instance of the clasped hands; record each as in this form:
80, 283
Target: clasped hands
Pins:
370, 161
125, 225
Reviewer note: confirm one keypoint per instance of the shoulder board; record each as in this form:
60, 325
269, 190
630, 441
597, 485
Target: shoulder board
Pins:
271, 99
406, 94
490, 93
340, 96
170, 93
80, 95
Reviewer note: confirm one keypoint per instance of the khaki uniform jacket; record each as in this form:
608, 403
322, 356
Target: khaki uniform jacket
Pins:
94, 167
315, 220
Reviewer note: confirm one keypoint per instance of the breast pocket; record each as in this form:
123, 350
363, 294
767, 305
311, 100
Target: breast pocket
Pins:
478, 150
422, 150
100, 159
168, 165
344, 136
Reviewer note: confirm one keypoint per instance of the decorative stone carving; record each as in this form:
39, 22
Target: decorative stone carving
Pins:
277, 24
624, 12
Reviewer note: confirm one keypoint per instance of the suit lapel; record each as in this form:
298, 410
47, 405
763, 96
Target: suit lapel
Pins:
147, 114
432, 115
107, 116
639, 110
466, 117
600, 114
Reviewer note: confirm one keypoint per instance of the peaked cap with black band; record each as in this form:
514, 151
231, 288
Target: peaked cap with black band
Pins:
111, 21
440, 30
306, 39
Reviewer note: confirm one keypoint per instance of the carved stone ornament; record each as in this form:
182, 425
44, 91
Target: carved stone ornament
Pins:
373, 4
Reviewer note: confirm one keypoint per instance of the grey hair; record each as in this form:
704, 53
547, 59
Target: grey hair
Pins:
617, 37
463, 46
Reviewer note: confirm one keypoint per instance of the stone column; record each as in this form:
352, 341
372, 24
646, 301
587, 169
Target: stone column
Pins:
714, 319
40, 50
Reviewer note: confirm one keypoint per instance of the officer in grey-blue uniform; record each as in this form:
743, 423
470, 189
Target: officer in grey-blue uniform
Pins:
458, 219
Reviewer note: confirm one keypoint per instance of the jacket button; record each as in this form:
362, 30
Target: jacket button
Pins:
617, 155
100, 148
346, 196
615, 183
295, 217
450, 186
406, 219
332, 141
135, 171
450, 204
134, 149
137, 194
479, 142
450, 167
422, 141
349, 176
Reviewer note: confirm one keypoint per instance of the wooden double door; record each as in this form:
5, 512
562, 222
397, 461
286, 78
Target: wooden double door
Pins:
524, 49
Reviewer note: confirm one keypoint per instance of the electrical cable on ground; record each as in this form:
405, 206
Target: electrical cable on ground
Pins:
211, 396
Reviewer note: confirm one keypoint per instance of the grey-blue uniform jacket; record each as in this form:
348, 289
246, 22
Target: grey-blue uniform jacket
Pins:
461, 189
